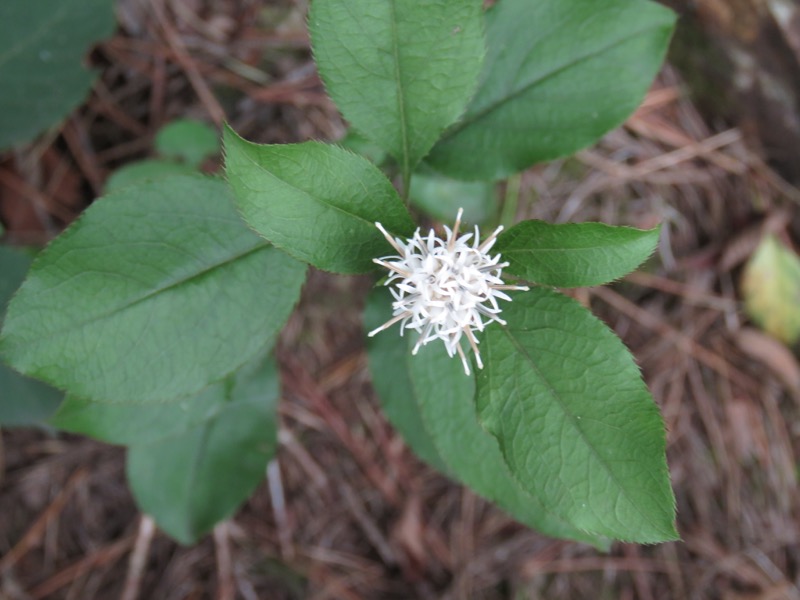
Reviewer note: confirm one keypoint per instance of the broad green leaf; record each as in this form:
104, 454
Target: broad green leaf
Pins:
144, 171
317, 202
191, 479
441, 197
557, 76
431, 402
43, 44
187, 140
23, 401
130, 424
574, 254
771, 289
446, 398
388, 358
575, 423
400, 71
14, 265
153, 294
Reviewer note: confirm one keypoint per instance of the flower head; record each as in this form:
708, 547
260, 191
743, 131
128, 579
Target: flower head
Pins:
447, 288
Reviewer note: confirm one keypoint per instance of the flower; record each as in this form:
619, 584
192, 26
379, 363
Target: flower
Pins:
445, 288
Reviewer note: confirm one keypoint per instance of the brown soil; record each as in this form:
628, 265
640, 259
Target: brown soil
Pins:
349, 513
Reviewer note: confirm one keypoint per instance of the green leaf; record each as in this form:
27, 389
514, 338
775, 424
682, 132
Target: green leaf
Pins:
575, 423
447, 400
771, 289
389, 369
193, 478
431, 402
154, 293
23, 401
558, 75
400, 71
187, 140
14, 265
441, 197
574, 254
129, 424
317, 202
144, 171
42, 47
355, 142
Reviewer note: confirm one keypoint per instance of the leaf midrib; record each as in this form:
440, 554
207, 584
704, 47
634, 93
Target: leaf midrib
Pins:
574, 422
401, 99
192, 475
606, 248
507, 472
152, 293
45, 28
470, 119
315, 199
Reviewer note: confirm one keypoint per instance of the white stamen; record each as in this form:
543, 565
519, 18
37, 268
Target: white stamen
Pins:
464, 360
389, 238
445, 288
389, 323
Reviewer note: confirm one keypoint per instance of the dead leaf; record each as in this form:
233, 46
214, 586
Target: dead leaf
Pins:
777, 357
747, 432
771, 289
408, 533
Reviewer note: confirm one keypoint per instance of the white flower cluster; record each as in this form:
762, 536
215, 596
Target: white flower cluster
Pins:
445, 288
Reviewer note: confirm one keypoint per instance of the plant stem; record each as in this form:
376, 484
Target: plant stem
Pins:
406, 185
511, 200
